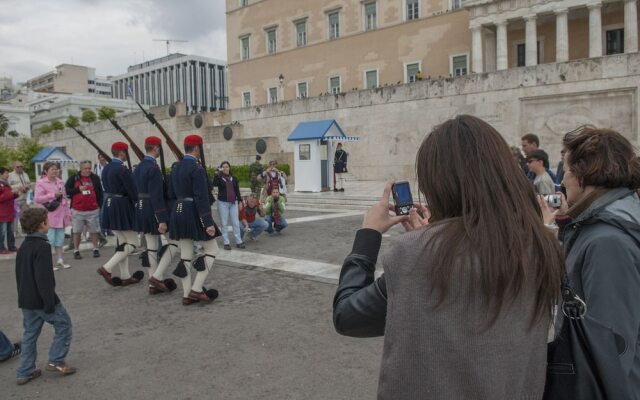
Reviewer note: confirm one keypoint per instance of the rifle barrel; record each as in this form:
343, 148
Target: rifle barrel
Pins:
172, 145
95, 146
133, 144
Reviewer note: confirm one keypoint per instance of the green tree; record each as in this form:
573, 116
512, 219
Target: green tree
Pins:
105, 113
72, 122
4, 124
45, 129
13, 134
27, 149
88, 116
56, 125
7, 155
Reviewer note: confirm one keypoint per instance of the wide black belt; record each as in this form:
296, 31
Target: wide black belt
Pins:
114, 195
185, 199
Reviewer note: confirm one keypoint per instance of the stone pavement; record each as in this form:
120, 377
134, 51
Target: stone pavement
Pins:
268, 336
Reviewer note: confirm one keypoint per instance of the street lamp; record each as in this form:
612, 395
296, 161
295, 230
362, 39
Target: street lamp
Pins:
281, 79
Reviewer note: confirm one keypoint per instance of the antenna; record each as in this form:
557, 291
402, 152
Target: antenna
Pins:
168, 41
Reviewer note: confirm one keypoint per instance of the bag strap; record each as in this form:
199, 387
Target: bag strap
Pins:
573, 306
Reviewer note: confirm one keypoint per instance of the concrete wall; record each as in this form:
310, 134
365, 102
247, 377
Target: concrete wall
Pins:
548, 100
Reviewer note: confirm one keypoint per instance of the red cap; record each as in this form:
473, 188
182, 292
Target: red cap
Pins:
153, 141
119, 146
193, 140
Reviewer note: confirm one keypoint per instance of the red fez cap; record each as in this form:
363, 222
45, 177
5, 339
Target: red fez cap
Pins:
153, 141
119, 146
193, 140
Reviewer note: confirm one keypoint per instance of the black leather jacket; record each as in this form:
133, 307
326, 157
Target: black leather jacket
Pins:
360, 303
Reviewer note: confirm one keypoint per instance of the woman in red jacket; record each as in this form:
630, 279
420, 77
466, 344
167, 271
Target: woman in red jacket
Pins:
7, 211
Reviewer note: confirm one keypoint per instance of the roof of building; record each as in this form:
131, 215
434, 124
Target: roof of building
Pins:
45, 153
321, 129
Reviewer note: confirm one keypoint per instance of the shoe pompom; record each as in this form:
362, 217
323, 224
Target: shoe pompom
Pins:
170, 284
138, 275
212, 293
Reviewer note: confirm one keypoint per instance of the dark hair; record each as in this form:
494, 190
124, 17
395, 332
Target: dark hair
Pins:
188, 149
531, 138
602, 157
540, 155
226, 162
149, 147
470, 179
116, 153
48, 165
3, 170
31, 218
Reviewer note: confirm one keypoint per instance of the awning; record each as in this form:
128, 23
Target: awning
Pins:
327, 129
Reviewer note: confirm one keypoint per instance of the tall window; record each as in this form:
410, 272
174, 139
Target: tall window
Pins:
459, 65
302, 90
334, 24
334, 85
246, 99
273, 95
244, 46
271, 41
371, 79
456, 4
412, 70
615, 41
244, 3
370, 16
521, 54
413, 9
301, 33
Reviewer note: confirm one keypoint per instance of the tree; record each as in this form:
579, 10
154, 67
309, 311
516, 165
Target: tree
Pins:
105, 113
13, 133
72, 122
4, 124
27, 149
88, 116
45, 129
56, 125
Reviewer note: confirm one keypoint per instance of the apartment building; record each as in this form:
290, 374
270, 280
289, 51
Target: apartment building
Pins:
71, 79
286, 49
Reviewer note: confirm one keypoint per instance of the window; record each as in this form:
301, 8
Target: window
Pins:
301, 33
413, 9
271, 41
302, 90
304, 152
334, 24
244, 45
459, 65
411, 71
370, 79
370, 16
615, 41
244, 3
456, 4
521, 54
246, 99
334, 85
273, 95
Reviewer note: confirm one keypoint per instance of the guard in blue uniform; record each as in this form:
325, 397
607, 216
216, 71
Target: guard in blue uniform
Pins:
191, 220
120, 198
152, 216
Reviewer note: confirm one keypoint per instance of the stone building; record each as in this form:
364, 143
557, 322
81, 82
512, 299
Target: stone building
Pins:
71, 79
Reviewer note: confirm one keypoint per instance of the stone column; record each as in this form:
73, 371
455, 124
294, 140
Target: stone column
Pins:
476, 49
501, 45
562, 35
531, 43
630, 26
595, 30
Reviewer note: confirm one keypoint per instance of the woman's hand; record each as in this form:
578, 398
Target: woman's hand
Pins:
378, 218
548, 215
418, 217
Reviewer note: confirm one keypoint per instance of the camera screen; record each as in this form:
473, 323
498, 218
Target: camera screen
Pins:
403, 193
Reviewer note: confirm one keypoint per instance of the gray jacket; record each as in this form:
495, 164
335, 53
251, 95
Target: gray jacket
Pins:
602, 247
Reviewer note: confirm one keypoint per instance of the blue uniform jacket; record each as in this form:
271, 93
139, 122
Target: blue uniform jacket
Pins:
189, 180
149, 181
118, 179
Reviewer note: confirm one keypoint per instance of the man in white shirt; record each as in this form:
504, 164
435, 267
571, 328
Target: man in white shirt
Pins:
538, 163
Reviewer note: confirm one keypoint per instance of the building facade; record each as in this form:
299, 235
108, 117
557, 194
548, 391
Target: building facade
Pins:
71, 79
287, 49
198, 82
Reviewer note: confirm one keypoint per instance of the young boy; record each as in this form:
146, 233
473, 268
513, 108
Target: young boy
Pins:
38, 300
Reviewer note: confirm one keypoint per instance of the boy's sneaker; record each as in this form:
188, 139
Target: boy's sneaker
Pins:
61, 264
62, 367
36, 373
17, 349
76, 255
241, 246
96, 253
227, 247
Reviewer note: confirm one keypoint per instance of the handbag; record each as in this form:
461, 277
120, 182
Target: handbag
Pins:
52, 205
582, 361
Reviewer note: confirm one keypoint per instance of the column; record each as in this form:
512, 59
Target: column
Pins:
531, 41
476, 49
630, 26
562, 35
595, 30
501, 45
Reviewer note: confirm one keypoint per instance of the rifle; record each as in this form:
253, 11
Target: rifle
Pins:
172, 146
134, 146
95, 146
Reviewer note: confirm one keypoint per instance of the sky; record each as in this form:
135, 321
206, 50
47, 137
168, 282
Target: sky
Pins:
108, 35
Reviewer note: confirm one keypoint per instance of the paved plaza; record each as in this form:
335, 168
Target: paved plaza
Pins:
268, 336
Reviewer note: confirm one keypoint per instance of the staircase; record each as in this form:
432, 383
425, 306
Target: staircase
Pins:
329, 200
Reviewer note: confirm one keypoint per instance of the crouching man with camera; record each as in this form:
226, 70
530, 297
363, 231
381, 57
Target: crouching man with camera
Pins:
85, 192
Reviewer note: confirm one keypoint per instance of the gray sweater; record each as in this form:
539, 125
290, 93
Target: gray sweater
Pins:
446, 353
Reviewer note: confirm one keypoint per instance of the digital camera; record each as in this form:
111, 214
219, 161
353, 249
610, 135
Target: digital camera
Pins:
553, 200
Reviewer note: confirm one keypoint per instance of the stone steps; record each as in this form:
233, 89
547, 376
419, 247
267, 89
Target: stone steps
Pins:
329, 201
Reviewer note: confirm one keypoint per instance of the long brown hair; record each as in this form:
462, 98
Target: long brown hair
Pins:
469, 177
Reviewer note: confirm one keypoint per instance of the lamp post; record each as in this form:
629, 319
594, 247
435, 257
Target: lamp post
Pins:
281, 80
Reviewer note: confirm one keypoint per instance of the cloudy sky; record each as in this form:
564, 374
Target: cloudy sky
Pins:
109, 35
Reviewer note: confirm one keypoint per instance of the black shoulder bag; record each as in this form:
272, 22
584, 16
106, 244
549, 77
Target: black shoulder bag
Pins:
582, 361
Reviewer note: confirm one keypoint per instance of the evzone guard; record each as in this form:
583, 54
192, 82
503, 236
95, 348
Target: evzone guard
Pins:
152, 216
121, 196
191, 220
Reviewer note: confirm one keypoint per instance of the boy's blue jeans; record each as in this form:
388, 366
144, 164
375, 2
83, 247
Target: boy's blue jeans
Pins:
6, 347
32, 322
6, 229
